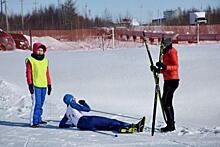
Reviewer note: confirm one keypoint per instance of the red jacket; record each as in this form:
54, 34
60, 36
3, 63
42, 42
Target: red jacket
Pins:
170, 59
29, 67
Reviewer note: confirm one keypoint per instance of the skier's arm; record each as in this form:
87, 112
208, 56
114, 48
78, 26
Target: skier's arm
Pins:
48, 77
174, 59
63, 122
85, 107
29, 72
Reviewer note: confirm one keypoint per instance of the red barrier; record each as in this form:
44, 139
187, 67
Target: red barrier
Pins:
182, 33
155, 37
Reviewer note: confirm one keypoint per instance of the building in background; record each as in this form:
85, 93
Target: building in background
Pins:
197, 17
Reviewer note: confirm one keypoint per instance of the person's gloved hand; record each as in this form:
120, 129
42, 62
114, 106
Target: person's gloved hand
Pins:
49, 88
154, 68
161, 65
82, 102
31, 88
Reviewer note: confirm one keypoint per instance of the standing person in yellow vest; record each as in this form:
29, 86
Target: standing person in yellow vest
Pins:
39, 82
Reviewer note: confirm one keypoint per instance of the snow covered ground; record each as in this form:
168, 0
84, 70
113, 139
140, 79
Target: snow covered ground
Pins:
117, 81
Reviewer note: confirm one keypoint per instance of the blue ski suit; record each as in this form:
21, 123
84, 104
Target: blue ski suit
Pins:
38, 99
74, 118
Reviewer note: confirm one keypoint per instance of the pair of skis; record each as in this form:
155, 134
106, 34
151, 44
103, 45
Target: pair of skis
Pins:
157, 86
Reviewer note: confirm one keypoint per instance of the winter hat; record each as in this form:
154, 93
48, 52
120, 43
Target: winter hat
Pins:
167, 41
38, 45
68, 98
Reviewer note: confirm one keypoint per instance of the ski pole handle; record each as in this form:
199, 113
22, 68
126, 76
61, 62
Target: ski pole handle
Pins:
116, 114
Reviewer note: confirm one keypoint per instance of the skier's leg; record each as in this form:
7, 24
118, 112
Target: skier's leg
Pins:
43, 94
169, 89
37, 106
85, 123
173, 84
32, 109
168, 108
63, 122
165, 97
101, 123
167, 101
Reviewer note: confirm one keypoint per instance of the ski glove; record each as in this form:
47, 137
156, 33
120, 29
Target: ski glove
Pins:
49, 89
31, 88
161, 65
82, 102
154, 68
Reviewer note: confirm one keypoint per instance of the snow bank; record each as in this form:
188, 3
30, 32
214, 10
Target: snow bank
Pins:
87, 44
12, 102
51, 43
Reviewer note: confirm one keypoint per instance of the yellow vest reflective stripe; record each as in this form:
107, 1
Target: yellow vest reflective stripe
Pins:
39, 71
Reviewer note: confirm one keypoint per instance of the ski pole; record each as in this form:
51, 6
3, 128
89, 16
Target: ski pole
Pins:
159, 93
116, 114
156, 86
105, 133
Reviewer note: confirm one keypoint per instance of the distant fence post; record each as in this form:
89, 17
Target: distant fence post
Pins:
197, 32
103, 42
30, 39
113, 37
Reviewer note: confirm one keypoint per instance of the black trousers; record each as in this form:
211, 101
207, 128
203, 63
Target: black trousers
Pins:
169, 88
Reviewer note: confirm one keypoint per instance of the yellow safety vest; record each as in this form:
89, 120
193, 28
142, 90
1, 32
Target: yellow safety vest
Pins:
39, 71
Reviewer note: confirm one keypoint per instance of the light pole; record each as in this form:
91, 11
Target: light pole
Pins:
113, 37
22, 17
1, 6
6, 16
1, 11
197, 32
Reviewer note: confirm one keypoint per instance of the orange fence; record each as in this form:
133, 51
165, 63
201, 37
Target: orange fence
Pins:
191, 29
70, 35
178, 33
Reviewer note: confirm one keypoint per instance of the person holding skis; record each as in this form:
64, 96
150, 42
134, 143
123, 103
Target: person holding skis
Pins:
38, 79
75, 118
169, 68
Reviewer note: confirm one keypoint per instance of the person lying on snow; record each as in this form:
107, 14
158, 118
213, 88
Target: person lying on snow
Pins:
75, 118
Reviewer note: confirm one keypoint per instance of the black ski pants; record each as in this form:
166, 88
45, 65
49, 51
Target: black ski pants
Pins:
169, 88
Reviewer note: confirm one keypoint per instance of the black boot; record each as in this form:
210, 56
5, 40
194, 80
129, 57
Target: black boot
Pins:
140, 125
168, 128
170, 120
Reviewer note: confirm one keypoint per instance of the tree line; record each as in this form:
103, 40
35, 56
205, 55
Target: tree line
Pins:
65, 17
62, 17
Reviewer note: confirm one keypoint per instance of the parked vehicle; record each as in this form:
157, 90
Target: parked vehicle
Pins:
6, 41
20, 41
